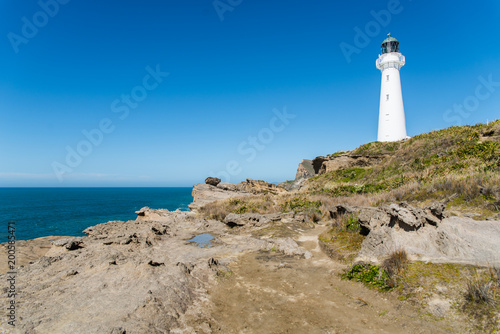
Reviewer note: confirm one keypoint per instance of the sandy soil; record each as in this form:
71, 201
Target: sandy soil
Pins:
272, 293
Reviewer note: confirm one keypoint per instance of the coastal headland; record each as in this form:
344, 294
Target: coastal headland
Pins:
387, 238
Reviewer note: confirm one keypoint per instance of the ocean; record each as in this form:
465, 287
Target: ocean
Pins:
40, 212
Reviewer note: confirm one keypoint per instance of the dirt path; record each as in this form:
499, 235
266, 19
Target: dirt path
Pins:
272, 293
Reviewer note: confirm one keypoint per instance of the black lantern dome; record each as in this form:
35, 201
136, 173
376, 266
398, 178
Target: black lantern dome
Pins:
390, 44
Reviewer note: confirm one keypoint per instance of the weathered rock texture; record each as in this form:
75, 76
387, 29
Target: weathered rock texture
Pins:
27, 250
260, 187
206, 193
141, 276
426, 234
213, 181
305, 170
323, 165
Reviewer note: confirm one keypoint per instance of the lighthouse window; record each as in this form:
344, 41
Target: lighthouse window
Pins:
387, 97
387, 77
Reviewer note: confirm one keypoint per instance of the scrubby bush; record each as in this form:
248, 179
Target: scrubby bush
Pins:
369, 274
396, 262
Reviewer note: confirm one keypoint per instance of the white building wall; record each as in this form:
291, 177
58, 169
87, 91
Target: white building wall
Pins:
392, 123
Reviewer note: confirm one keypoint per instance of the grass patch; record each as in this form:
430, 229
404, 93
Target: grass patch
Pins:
300, 204
343, 240
482, 299
370, 275
462, 160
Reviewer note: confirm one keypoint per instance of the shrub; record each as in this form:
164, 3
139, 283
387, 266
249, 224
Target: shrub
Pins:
369, 274
479, 291
396, 262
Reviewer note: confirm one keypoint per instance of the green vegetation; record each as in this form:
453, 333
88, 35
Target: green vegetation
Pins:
343, 241
369, 274
300, 204
482, 299
460, 162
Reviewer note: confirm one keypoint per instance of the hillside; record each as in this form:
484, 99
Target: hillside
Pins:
405, 207
458, 163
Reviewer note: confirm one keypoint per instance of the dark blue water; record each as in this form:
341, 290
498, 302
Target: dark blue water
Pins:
39, 212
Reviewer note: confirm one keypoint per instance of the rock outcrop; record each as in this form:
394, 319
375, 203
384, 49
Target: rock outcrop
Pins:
323, 165
260, 187
305, 170
140, 276
205, 193
426, 234
255, 219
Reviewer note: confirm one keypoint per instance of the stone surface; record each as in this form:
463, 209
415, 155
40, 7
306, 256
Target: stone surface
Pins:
213, 181
140, 276
260, 187
253, 219
205, 193
426, 234
305, 170
323, 165
227, 186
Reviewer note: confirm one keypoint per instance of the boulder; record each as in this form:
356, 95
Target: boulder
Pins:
213, 181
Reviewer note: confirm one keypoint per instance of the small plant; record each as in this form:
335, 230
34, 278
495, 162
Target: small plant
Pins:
482, 301
370, 275
241, 210
352, 224
396, 262
224, 273
479, 291
482, 290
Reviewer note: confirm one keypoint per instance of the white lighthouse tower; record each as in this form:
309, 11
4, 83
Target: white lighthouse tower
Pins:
391, 120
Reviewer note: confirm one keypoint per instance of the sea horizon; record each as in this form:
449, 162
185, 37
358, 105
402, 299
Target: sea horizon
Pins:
67, 211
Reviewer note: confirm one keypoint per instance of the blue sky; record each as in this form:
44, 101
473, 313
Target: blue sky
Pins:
253, 87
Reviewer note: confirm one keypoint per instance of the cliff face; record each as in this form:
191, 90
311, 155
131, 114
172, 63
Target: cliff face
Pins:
305, 170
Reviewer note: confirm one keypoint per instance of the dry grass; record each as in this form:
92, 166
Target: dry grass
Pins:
459, 161
482, 299
218, 210
396, 262
485, 288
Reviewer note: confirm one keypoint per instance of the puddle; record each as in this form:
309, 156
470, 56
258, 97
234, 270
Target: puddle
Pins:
202, 240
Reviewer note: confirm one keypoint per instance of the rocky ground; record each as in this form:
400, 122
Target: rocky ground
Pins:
249, 272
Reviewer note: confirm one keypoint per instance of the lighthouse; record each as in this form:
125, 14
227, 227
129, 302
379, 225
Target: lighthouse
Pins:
391, 120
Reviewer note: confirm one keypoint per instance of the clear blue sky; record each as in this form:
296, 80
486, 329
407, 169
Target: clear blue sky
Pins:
69, 68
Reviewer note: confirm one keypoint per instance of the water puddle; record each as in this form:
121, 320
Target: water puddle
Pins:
202, 240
